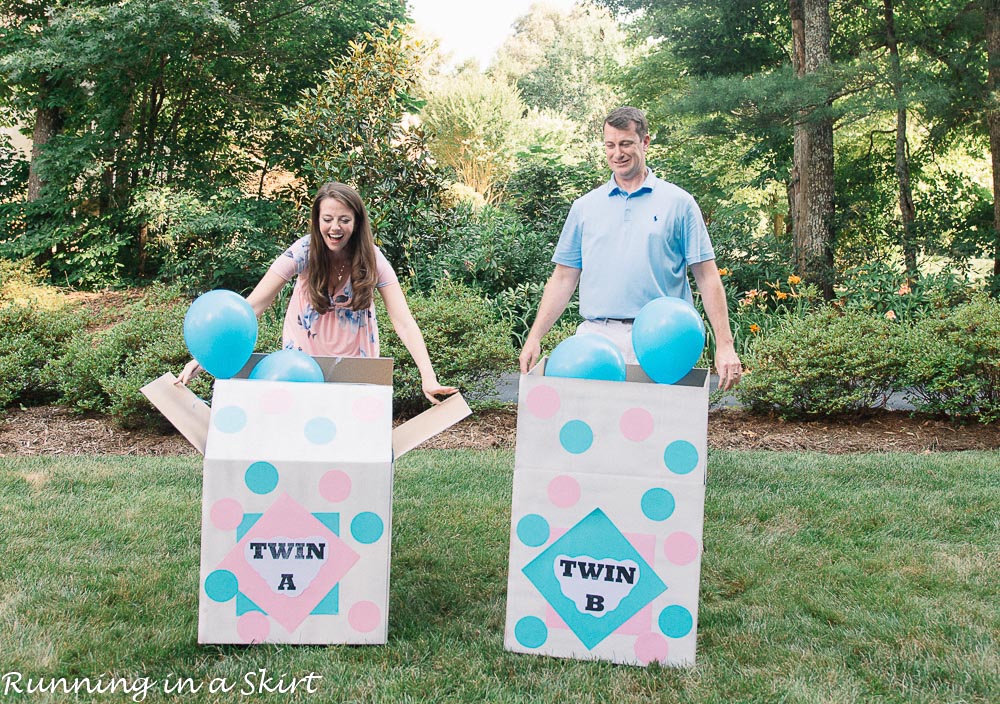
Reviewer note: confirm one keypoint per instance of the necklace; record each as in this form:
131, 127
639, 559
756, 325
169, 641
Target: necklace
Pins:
340, 275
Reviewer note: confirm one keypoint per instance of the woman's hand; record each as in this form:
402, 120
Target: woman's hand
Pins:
432, 389
191, 370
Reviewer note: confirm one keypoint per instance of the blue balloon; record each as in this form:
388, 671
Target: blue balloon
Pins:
287, 365
586, 356
220, 330
668, 336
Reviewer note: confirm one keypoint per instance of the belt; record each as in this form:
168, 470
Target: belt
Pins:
614, 320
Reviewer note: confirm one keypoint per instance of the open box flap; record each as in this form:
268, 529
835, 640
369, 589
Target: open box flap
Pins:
178, 404
190, 415
434, 420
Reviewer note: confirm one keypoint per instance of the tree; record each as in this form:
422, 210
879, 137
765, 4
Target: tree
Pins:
992, 12
565, 62
741, 71
812, 208
353, 127
471, 119
135, 94
902, 163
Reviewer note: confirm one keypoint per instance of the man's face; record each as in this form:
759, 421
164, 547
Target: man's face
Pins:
626, 153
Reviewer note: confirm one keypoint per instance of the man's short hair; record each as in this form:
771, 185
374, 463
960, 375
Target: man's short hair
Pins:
627, 118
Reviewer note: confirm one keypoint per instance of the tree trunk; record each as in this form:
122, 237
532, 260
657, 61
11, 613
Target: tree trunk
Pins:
798, 176
48, 123
814, 232
993, 116
907, 211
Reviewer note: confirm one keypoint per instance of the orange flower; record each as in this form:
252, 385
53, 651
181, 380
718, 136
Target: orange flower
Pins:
780, 295
890, 315
723, 271
754, 328
904, 289
793, 279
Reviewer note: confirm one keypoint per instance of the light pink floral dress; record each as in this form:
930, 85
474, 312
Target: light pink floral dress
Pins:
341, 332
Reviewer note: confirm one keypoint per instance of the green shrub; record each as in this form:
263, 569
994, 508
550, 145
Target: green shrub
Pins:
36, 321
490, 250
518, 306
469, 347
30, 337
881, 289
952, 362
104, 371
822, 364
225, 241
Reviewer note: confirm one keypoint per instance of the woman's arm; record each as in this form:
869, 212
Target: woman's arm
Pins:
260, 299
406, 327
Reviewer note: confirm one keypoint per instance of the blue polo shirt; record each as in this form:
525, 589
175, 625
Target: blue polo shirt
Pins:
632, 247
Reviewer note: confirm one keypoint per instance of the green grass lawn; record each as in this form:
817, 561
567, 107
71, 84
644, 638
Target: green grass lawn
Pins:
865, 578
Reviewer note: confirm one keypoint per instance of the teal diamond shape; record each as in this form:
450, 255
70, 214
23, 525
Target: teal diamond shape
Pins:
596, 537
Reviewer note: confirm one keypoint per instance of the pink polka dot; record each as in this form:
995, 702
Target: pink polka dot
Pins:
335, 486
364, 616
253, 627
542, 401
226, 514
564, 491
650, 647
636, 424
680, 548
277, 401
368, 409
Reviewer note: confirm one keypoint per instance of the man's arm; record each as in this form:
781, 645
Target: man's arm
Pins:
713, 296
558, 290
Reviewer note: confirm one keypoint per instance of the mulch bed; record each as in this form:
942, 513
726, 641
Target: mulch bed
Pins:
54, 430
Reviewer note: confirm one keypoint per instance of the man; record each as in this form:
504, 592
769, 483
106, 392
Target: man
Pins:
628, 242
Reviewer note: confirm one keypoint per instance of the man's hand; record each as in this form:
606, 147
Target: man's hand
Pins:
727, 364
529, 355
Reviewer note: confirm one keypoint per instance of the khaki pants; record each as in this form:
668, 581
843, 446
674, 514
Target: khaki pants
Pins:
618, 331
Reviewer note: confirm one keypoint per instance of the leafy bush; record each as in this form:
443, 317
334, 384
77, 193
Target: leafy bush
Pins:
543, 186
226, 241
36, 320
490, 250
882, 289
104, 371
825, 363
468, 345
518, 306
952, 362
30, 337
756, 312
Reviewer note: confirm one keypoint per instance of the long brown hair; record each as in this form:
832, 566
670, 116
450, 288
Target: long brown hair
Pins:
360, 250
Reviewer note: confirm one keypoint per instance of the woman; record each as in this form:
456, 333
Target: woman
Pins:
332, 308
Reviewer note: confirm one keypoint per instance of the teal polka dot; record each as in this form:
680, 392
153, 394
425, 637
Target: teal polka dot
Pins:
657, 504
320, 431
681, 457
576, 437
531, 632
367, 527
676, 621
533, 530
221, 585
231, 419
261, 477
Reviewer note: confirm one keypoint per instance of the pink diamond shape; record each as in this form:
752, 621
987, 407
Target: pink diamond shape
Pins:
287, 519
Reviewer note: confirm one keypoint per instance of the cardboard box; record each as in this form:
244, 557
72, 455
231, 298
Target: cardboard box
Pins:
606, 522
297, 500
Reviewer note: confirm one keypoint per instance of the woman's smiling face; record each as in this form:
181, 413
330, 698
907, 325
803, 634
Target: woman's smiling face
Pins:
336, 224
